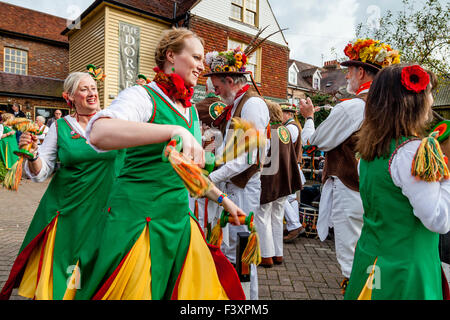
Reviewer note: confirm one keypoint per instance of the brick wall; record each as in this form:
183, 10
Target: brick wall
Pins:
274, 60
44, 60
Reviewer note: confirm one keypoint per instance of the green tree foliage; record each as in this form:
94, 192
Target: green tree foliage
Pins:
422, 35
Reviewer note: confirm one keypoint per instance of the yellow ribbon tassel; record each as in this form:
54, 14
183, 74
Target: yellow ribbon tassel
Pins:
429, 162
216, 235
252, 252
192, 175
13, 176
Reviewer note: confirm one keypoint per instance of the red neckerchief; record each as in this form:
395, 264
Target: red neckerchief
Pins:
364, 86
173, 87
226, 113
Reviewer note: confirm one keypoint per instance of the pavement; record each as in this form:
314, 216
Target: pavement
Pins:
309, 272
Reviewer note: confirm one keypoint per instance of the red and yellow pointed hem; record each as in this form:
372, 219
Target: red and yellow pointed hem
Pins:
131, 280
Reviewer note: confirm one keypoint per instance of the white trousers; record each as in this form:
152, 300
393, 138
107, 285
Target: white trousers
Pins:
269, 225
248, 200
291, 214
342, 209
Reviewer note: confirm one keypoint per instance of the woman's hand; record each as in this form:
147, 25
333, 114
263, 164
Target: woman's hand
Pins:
27, 139
191, 147
233, 210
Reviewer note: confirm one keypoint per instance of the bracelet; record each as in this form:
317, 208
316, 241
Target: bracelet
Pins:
221, 197
36, 156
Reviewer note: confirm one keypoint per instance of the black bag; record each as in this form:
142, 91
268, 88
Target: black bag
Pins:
444, 247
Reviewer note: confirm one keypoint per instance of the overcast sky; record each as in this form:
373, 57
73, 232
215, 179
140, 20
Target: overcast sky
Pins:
315, 26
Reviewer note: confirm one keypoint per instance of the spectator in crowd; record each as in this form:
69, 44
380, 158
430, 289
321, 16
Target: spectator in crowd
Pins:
40, 120
17, 112
56, 115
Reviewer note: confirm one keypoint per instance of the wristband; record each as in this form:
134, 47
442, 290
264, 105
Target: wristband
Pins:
310, 118
34, 159
220, 199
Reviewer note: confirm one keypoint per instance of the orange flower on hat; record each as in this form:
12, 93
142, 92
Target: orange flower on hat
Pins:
350, 52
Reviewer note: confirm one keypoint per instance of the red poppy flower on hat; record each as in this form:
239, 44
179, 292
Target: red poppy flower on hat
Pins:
414, 78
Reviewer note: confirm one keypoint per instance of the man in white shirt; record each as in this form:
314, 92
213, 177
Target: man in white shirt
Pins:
340, 202
238, 178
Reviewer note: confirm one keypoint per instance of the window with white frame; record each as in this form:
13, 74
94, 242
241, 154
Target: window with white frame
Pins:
245, 11
293, 76
316, 80
252, 61
15, 61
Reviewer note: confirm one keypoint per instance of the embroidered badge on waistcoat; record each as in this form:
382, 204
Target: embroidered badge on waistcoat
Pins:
216, 109
283, 134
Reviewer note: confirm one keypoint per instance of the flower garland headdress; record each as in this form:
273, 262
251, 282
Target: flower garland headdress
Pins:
235, 61
370, 53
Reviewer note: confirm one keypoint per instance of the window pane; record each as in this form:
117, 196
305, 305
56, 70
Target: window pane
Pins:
249, 17
7, 51
7, 57
238, 2
24, 59
251, 67
251, 5
13, 58
252, 58
236, 12
234, 44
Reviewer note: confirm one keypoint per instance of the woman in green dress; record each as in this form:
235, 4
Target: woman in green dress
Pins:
58, 240
152, 246
8, 144
397, 253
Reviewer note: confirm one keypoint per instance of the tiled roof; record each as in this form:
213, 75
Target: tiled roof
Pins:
301, 65
30, 85
30, 22
303, 68
164, 8
442, 96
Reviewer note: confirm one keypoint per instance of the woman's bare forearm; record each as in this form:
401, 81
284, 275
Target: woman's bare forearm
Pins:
111, 134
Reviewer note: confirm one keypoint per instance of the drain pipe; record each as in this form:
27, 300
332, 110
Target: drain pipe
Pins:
175, 12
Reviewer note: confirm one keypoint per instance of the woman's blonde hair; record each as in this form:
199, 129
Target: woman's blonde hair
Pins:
275, 112
7, 116
73, 81
172, 40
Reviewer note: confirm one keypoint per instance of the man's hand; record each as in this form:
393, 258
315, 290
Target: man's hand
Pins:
307, 108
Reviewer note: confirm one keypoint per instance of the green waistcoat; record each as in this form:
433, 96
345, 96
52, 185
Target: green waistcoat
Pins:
408, 264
